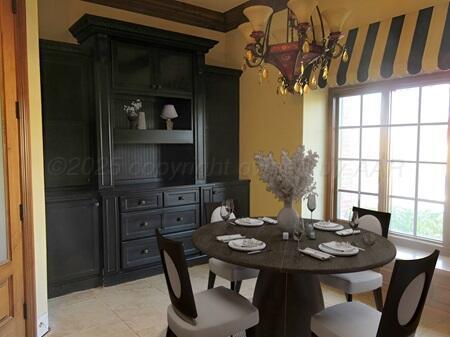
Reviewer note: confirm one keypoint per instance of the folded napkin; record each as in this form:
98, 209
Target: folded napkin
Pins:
316, 254
343, 247
348, 231
228, 238
327, 224
269, 220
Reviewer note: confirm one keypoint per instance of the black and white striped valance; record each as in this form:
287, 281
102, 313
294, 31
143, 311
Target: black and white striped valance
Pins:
405, 45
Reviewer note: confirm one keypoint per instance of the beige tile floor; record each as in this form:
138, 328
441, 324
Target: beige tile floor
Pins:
137, 309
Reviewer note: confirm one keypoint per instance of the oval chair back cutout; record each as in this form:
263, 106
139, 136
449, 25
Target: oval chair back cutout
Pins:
406, 296
177, 277
374, 221
210, 207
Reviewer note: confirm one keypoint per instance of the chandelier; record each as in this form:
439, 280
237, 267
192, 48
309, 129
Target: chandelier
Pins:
307, 51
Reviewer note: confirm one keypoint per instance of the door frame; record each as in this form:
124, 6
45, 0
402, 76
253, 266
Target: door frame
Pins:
25, 157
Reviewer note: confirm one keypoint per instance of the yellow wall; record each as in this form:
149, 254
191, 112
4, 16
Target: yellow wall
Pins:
37, 157
56, 17
315, 137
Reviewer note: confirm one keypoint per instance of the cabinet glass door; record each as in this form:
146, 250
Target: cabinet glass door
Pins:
175, 71
133, 66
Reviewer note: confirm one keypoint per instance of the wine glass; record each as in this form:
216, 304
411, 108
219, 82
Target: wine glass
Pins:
299, 232
312, 204
354, 222
226, 209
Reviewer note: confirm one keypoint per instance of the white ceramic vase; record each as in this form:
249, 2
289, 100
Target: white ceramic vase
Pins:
287, 217
142, 123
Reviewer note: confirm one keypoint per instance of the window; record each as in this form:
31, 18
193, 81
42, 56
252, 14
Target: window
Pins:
391, 155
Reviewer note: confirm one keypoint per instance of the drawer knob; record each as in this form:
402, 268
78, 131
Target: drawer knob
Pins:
145, 251
180, 197
180, 219
142, 202
145, 224
96, 204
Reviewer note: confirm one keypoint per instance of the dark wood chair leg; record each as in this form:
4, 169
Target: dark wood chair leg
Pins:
349, 297
237, 286
211, 280
170, 333
378, 295
233, 285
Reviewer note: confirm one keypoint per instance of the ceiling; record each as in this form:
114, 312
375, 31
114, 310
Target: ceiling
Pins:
216, 5
364, 11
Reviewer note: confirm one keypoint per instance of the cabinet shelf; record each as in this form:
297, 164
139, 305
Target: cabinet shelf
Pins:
124, 136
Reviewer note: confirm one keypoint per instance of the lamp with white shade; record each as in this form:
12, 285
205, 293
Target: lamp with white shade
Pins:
168, 113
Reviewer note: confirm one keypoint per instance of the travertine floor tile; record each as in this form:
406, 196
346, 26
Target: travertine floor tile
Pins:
138, 309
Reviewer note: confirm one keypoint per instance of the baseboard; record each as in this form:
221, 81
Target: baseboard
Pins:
42, 325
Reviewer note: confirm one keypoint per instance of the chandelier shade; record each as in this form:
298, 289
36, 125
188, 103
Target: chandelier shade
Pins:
302, 9
336, 18
258, 16
246, 29
303, 58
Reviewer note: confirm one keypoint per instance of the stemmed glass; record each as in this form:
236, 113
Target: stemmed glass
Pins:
312, 204
226, 209
299, 232
354, 221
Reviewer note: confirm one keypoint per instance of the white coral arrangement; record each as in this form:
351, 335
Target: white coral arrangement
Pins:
292, 178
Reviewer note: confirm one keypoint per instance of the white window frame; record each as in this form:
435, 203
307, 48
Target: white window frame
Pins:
385, 88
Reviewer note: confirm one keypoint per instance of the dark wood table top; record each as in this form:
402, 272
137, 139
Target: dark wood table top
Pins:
283, 256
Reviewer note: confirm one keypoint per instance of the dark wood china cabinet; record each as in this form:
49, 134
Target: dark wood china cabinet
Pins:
108, 187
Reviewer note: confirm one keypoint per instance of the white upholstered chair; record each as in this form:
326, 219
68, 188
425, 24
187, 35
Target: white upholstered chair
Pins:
217, 312
400, 316
230, 272
369, 280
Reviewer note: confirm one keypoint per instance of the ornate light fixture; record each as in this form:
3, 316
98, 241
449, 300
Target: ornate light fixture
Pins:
307, 49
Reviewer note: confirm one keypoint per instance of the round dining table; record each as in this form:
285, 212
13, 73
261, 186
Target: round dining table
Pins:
288, 291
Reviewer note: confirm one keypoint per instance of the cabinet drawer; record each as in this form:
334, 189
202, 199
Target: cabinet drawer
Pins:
183, 197
186, 239
140, 224
141, 201
140, 252
183, 218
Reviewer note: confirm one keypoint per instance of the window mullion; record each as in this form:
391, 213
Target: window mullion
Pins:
383, 177
416, 204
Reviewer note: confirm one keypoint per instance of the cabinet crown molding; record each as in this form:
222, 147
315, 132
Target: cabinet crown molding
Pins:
89, 25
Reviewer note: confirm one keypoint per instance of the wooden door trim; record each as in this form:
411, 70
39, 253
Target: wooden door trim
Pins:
25, 156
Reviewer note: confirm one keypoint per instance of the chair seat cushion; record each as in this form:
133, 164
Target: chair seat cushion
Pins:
221, 312
354, 283
353, 319
231, 272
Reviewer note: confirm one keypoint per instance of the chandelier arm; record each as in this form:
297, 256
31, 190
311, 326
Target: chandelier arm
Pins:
321, 22
266, 42
313, 30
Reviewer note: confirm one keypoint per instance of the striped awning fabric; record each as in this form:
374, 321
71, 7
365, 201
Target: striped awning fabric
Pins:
405, 45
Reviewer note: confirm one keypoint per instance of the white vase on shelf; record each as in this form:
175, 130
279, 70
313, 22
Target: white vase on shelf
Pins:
142, 123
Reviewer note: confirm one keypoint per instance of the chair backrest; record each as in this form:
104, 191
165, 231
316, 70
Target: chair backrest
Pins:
374, 221
213, 208
177, 277
406, 296
216, 217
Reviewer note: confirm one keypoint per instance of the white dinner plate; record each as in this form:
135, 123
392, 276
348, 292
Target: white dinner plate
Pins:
318, 226
241, 245
249, 222
329, 250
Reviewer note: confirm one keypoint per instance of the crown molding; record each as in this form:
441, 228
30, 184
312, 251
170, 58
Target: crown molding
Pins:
178, 11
